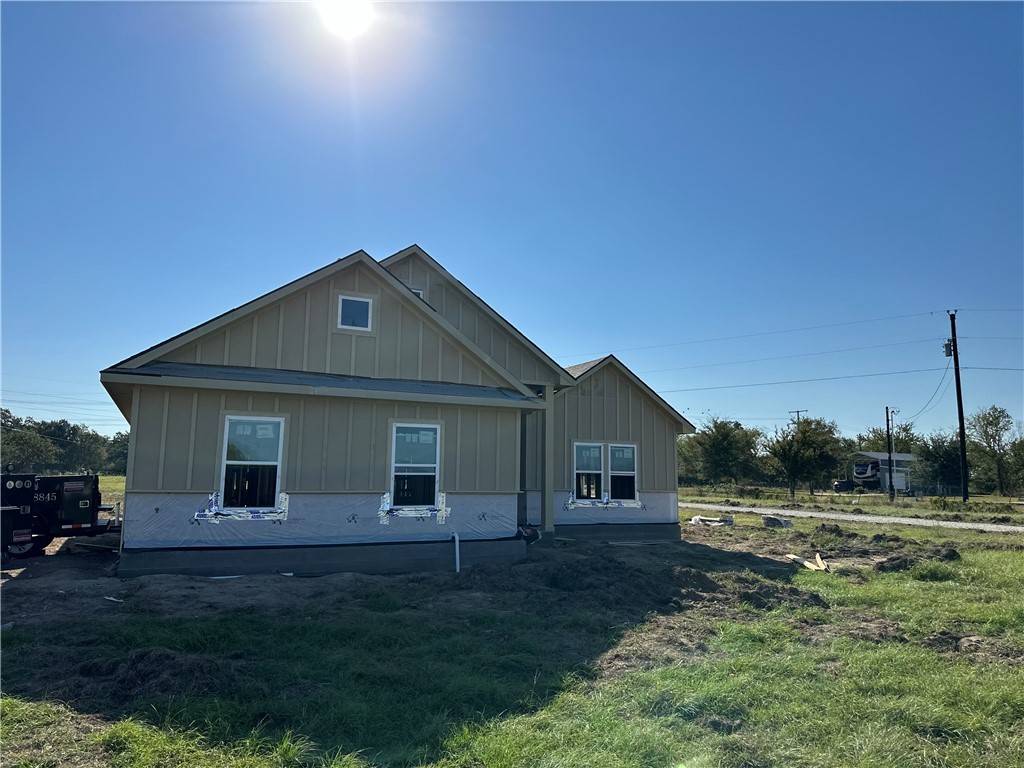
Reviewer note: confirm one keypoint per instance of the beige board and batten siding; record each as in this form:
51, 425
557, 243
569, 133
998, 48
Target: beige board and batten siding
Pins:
606, 407
300, 333
332, 444
451, 302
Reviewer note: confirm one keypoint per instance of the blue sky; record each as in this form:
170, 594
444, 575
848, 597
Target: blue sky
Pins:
683, 184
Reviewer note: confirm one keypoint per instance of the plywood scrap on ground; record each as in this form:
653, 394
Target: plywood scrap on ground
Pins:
815, 565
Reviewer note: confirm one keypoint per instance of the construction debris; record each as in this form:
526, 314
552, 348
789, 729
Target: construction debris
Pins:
712, 521
771, 521
816, 565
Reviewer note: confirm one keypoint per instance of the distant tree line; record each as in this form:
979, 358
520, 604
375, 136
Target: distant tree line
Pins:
59, 446
811, 451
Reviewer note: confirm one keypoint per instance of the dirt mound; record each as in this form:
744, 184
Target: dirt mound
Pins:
907, 560
975, 647
900, 562
887, 538
766, 596
868, 629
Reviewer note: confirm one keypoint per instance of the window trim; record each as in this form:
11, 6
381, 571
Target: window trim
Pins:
228, 418
436, 465
369, 314
418, 292
576, 471
635, 473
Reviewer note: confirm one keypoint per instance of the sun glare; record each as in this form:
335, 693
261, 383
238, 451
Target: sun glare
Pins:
346, 18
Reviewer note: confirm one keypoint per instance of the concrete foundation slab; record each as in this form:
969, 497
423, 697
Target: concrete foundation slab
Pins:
620, 532
315, 560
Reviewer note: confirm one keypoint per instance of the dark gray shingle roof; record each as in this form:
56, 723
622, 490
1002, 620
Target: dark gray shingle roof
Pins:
580, 368
327, 380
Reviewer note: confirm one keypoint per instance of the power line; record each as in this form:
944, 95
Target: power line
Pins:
949, 383
799, 381
41, 378
788, 357
759, 333
941, 379
982, 368
70, 398
50, 437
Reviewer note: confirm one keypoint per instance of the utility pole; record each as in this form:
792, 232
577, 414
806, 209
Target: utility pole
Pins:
953, 347
888, 443
798, 414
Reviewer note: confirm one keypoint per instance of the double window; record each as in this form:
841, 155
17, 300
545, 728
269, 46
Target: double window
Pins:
600, 466
415, 455
252, 462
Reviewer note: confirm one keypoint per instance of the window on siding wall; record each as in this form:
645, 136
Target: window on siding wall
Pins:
414, 462
589, 470
252, 462
355, 313
622, 471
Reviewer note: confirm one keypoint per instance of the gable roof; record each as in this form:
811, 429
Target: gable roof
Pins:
278, 294
565, 379
584, 370
580, 368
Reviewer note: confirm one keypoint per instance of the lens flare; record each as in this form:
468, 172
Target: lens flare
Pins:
346, 18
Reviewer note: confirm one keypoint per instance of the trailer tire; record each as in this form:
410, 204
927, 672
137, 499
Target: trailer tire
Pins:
41, 538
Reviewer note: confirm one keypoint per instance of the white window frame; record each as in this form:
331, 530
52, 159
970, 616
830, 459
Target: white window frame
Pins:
576, 471
635, 473
417, 291
436, 465
228, 418
369, 314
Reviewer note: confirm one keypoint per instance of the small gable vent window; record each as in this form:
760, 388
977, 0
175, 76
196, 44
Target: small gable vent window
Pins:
355, 313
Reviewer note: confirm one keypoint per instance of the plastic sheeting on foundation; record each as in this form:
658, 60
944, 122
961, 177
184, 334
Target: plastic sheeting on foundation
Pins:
159, 521
657, 508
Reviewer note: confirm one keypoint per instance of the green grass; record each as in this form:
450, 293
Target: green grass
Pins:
979, 594
112, 489
385, 675
380, 681
769, 702
984, 509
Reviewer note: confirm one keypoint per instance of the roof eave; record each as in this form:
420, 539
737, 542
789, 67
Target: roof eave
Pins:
112, 376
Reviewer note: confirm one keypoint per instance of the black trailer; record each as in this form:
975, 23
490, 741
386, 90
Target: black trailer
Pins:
15, 528
61, 505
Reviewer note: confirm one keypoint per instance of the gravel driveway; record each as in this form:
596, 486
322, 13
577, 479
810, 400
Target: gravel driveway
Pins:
865, 518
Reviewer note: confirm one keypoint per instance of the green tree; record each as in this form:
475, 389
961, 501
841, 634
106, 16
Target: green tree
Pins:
904, 439
79, 447
22, 446
723, 450
990, 432
809, 450
117, 454
937, 467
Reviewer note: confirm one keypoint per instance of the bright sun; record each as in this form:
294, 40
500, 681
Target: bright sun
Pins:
346, 18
